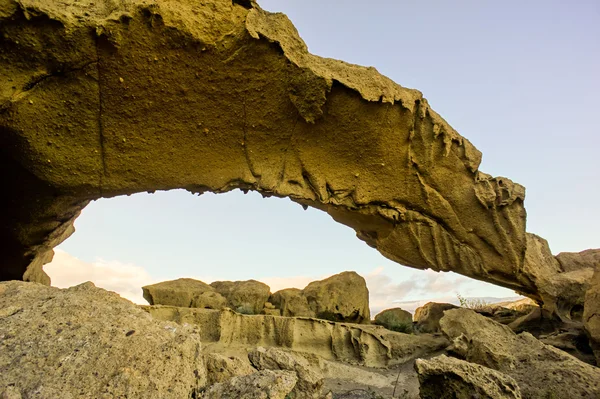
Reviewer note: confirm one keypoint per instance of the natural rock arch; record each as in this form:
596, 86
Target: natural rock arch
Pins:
98, 100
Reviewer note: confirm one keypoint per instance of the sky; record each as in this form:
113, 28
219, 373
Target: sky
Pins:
518, 79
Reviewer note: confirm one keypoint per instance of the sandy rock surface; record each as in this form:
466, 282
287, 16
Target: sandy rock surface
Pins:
540, 370
395, 319
591, 315
343, 297
185, 292
292, 303
247, 297
427, 317
88, 342
448, 378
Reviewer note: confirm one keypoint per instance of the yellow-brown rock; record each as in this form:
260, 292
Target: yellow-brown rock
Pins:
342, 297
98, 101
184, 292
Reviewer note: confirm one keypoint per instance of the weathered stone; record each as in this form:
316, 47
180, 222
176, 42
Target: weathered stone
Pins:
310, 382
427, 317
264, 384
292, 303
541, 371
447, 378
88, 342
184, 292
220, 368
246, 297
572, 261
591, 314
342, 297
99, 101
368, 345
395, 319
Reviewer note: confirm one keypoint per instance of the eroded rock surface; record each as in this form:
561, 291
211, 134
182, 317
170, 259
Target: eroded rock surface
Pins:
395, 319
591, 315
447, 378
541, 370
292, 303
343, 297
99, 100
184, 292
88, 342
247, 297
310, 382
427, 317
371, 346
266, 384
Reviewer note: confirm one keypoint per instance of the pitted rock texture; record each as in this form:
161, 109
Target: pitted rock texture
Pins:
244, 296
99, 99
371, 346
591, 314
310, 381
541, 370
395, 319
342, 297
448, 378
427, 317
184, 292
264, 384
87, 342
291, 302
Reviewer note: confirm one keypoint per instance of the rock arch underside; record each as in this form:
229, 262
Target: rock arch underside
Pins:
99, 99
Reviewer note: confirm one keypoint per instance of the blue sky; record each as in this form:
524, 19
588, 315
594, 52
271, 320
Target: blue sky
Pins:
519, 79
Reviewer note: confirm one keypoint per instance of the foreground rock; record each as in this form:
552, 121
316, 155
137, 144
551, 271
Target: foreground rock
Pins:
246, 297
591, 315
367, 345
540, 370
87, 342
447, 378
427, 317
395, 319
310, 382
184, 292
264, 384
342, 297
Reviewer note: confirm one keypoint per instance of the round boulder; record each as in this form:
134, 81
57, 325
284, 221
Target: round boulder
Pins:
292, 303
395, 319
343, 297
184, 292
246, 297
427, 317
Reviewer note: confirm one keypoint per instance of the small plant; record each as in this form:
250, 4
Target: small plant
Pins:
472, 303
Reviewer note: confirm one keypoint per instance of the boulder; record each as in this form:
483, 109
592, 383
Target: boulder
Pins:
310, 381
541, 370
220, 368
591, 314
427, 317
265, 384
292, 303
184, 292
270, 310
343, 297
395, 319
448, 378
247, 297
85, 342
571, 261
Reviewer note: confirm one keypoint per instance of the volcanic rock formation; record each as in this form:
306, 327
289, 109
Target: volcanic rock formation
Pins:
99, 99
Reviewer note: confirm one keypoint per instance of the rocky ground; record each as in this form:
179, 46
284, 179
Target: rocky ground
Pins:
85, 342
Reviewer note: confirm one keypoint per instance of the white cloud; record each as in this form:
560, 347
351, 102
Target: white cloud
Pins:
123, 278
